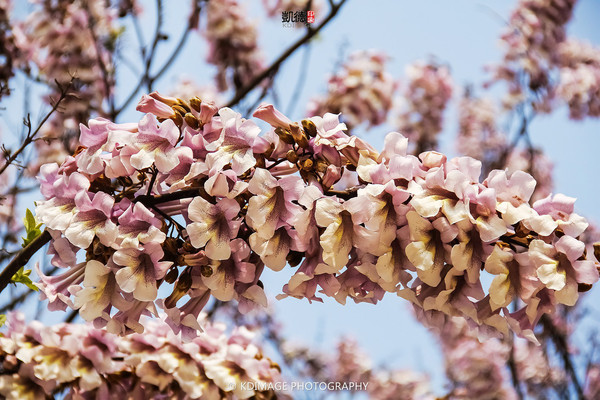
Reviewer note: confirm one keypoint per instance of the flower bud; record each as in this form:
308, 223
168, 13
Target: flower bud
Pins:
432, 159
309, 127
331, 176
292, 156
284, 135
272, 116
191, 121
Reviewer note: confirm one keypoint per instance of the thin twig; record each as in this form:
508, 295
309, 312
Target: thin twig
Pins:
240, 94
148, 78
31, 135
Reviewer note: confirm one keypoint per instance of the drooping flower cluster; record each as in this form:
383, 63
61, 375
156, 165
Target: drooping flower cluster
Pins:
351, 367
579, 84
478, 133
64, 40
362, 90
531, 43
425, 95
535, 370
8, 48
40, 362
477, 370
233, 44
193, 196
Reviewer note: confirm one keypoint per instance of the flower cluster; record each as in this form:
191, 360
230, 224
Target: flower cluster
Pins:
67, 40
425, 95
531, 42
86, 363
534, 369
193, 196
478, 134
349, 364
233, 44
579, 84
362, 91
8, 48
476, 369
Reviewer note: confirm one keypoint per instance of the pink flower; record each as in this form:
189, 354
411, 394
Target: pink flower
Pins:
93, 218
140, 269
155, 144
214, 226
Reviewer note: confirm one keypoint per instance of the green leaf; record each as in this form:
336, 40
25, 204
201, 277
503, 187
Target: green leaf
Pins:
22, 276
2, 319
32, 228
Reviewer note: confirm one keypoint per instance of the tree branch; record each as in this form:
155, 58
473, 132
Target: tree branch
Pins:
286, 54
560, 341
22, 258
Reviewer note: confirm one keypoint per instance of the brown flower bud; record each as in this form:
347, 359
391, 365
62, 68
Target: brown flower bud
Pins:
284, 135
299, 136
292, 156
191, 121
309, 127
307, 165
179, 110
195, 103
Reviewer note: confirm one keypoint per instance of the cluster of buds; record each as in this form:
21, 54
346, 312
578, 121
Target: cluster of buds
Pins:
362, 91
80, 362
425, 95
193, 197
233, 44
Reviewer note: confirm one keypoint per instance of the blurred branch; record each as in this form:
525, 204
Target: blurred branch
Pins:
148, 78
22, 258
301, 80
108, 85
271, 70
562, 346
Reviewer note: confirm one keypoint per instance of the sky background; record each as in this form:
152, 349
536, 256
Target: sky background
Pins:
460, 33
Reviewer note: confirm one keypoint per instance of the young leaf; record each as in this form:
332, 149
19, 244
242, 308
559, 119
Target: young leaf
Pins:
22, 276
32, 228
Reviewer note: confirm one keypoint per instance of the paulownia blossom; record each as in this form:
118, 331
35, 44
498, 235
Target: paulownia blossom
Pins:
233, 44
196, 203
425, 94
81, 362
362, 91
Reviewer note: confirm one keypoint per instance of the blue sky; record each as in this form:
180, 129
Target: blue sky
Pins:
461, 33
